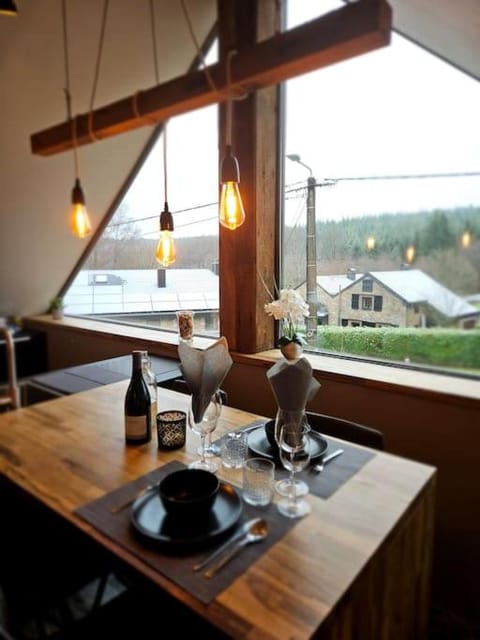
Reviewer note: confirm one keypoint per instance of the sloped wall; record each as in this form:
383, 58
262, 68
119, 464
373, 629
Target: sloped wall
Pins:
37, 251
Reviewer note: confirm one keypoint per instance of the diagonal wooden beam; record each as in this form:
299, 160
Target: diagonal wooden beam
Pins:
347, 32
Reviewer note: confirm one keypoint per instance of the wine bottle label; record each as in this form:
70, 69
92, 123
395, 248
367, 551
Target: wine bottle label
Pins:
135, 427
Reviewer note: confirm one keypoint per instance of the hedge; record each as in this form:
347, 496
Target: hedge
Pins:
440, 347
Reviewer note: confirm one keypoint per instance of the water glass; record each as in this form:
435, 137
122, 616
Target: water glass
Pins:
258, 481
234, 450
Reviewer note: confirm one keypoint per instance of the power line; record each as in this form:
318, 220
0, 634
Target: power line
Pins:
328, 182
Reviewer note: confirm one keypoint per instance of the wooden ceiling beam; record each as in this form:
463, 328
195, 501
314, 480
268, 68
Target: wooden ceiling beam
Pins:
347, 32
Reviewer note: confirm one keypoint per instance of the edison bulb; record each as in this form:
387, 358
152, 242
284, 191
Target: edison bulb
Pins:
79, 220
410, 254
466, 239
165, 253
232, 214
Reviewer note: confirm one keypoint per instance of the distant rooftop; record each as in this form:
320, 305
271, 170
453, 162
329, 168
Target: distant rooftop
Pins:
110, 291
412, 285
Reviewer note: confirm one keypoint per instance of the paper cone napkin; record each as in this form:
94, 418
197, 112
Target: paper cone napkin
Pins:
204, 372
293, 385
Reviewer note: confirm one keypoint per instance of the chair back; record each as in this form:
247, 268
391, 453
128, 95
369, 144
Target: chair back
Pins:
346, 430
12, 398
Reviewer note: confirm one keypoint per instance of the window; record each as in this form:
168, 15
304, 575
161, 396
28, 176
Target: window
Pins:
367, 285
374, 199
366, 303
121, 280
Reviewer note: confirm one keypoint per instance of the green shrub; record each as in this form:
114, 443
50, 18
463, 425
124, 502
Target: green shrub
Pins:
439, 347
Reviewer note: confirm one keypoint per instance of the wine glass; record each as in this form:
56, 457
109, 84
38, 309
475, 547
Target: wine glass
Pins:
205, 426
290, 485
294, 456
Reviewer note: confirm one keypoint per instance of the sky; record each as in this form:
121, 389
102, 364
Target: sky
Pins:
395, 111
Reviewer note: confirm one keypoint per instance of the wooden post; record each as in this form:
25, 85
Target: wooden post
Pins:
250, 250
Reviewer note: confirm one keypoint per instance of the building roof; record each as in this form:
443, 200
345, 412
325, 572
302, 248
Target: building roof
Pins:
412, 285
195, 289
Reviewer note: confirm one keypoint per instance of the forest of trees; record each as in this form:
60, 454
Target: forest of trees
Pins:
340, 245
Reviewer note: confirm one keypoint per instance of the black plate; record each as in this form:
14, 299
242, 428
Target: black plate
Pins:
148, 516
258, 443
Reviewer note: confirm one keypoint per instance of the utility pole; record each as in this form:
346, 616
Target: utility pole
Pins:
311, 275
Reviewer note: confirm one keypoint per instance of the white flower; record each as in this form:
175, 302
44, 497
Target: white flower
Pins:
290, 307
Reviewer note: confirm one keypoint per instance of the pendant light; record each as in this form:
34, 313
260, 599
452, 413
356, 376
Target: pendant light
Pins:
466, 239
8, 8
410, 253
165, 253
80, 224
232, 213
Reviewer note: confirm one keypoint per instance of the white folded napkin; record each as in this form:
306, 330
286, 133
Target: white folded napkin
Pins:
204, 372
293, 385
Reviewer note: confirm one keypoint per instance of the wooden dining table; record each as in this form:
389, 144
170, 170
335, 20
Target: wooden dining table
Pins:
358, 566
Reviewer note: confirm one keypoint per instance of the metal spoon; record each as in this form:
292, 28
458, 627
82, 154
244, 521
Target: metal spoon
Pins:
317, 468
243, 530
258, 531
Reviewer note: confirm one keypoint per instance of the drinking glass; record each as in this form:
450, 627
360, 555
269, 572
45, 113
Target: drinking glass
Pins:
294, 456
290, 485
206, 425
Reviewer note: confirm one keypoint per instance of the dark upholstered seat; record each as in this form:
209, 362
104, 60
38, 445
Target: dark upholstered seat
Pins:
346, 430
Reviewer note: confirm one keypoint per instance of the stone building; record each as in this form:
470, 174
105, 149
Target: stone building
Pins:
403, 298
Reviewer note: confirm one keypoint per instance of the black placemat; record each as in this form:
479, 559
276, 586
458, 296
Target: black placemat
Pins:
334, 474
175, 564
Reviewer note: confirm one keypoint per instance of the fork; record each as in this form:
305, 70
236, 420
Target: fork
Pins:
318, 468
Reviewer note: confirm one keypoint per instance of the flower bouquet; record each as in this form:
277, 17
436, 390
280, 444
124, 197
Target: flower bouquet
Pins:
290, 309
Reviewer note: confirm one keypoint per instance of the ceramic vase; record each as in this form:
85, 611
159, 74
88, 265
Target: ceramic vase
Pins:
291, 350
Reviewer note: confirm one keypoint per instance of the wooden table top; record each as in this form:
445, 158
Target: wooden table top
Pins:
71, 450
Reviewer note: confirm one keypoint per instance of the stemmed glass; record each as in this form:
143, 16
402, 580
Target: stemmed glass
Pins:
205, 426
295, 456
290, 485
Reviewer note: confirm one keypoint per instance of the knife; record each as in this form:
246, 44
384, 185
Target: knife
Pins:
242, 531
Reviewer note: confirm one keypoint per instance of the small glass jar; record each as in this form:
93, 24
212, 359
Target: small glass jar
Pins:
185, 325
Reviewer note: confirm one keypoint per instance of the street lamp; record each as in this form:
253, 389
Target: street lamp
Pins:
311, 282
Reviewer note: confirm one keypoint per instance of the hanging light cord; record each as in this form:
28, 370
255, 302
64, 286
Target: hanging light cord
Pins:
200, 55
229, 100
154, 41
165, 158
99, 53
68, 96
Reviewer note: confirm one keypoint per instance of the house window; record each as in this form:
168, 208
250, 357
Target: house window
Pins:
355, 298
367, 285
377, 303
366, 303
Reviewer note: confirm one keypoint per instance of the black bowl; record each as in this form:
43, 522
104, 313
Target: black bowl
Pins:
188, 493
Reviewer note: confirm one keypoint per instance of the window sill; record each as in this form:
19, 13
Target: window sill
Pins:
369, 375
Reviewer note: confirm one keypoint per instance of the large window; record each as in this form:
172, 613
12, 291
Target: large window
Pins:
391, 139
121, 280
